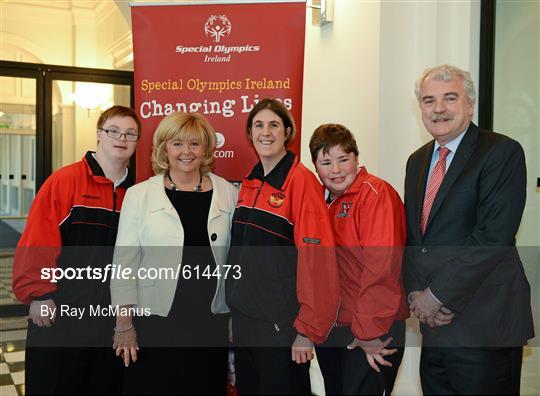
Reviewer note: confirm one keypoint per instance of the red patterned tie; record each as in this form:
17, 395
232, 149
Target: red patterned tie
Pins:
437, 176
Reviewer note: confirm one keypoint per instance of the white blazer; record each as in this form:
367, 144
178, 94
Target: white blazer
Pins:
150, 236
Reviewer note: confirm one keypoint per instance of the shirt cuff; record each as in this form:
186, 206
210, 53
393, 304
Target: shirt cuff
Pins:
434, 296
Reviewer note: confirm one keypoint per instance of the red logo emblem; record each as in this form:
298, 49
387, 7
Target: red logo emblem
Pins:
276, 199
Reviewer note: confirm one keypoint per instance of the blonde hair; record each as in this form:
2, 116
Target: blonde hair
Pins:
183, 126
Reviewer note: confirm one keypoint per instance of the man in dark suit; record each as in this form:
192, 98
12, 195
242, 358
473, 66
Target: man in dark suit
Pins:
464, 198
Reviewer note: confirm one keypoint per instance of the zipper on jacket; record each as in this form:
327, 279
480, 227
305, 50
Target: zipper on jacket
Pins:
114, 198
257, 195
244, 237
276, 327
254, 203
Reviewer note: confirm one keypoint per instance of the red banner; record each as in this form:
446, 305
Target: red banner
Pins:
218, 60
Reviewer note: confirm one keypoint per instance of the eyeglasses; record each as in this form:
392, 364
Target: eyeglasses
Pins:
117, 134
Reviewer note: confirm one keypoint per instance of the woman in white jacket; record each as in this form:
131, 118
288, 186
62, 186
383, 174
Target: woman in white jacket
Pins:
173, 239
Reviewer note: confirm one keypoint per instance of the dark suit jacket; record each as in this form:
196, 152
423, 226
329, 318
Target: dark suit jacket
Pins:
468, 257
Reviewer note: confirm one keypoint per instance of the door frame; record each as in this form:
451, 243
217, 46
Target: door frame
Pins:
44, 75
486, 83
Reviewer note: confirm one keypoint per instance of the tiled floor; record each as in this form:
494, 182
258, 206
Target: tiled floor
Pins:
12, 342
12, 335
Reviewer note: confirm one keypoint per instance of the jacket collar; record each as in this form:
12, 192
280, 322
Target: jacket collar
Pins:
361, 176
94, 169
277, 176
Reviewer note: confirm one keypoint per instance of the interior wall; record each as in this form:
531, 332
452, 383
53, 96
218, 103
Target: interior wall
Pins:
114, 38
65, 32
47, 38
341, 77
415, 36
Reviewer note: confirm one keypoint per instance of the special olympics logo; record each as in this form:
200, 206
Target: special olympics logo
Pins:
217, 27
220, 140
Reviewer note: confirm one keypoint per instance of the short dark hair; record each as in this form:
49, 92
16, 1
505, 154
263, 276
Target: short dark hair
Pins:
119, 111
277, 107
327, 136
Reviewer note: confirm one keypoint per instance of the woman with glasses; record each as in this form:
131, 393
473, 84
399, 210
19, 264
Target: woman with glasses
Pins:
288, 293
174, 235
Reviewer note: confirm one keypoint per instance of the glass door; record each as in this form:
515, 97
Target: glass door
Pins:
17, 169
516, 109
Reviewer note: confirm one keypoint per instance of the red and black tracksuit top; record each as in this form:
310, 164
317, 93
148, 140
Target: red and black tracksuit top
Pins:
369, 228
72, 223
282, 239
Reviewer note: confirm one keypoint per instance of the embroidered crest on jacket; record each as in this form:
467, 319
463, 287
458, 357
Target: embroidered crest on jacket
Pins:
344, 210
276, 199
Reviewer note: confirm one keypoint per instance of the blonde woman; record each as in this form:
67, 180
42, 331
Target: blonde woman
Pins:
178, 220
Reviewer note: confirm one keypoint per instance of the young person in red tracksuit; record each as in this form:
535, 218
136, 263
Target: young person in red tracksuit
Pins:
72, 226
363, 353
287, 295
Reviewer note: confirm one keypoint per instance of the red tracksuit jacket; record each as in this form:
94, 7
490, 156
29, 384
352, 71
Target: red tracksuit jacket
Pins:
72, 223
369, 228
282, 239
